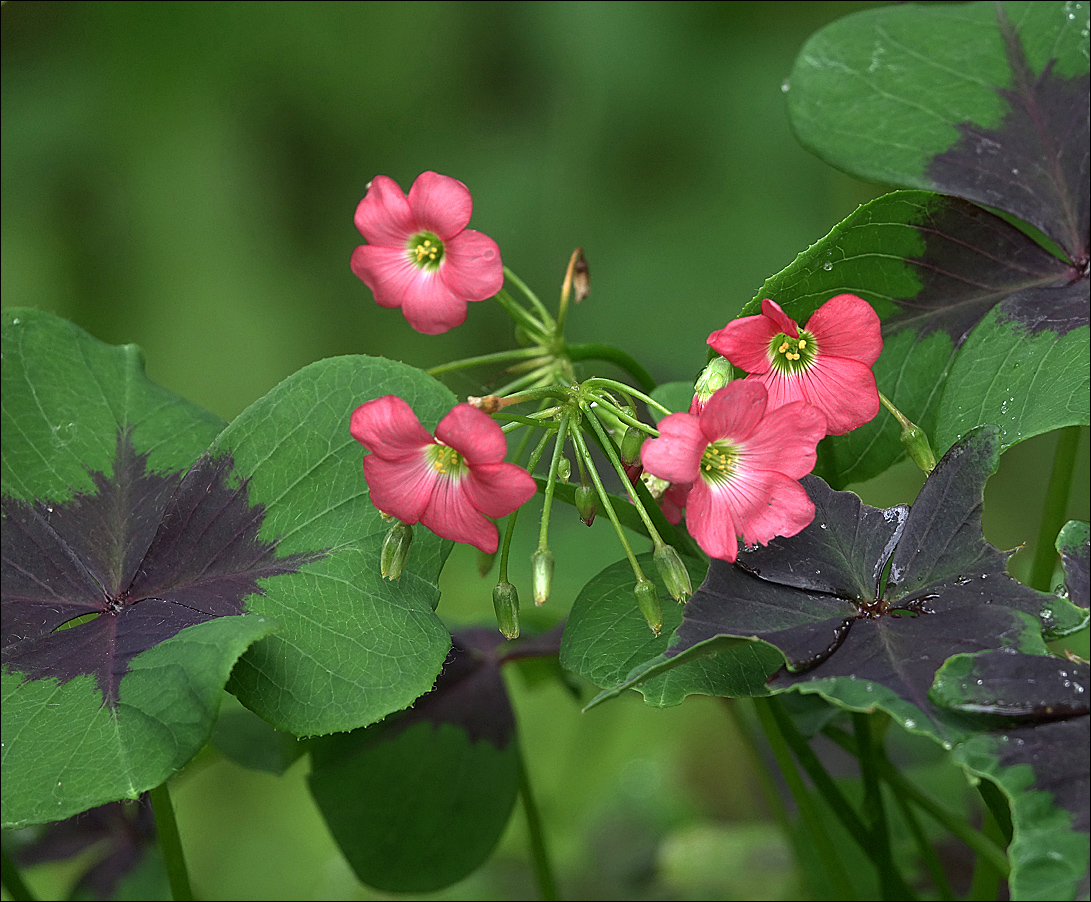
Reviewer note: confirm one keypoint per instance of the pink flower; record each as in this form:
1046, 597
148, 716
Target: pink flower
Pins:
743, 459
450, 483
674, 501
827, 364
420, 256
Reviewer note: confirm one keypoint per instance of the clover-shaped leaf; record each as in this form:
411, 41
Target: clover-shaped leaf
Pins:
1074, 546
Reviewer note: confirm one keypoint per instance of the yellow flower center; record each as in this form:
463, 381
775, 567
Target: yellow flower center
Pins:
718, 462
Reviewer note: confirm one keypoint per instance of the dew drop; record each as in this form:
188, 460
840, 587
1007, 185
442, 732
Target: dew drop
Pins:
827, 266
785, 86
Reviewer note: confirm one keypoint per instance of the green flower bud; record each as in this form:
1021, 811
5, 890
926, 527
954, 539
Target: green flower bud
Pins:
630, 445
395, 550
587, 502
713, 377
647, 599
916, 445
505, 602
673, 571
541, 564
564, 469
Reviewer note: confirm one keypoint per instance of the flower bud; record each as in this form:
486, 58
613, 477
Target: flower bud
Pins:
541, 565
630, 445
587, 502
647, 599
505, 602
716, 374
673, 571
564, 469
395, 550
916, 444
581, 278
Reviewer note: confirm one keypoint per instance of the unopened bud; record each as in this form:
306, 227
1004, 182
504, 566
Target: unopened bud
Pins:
647, 599
564, 469
541, 567
587, 503
505, 602
673, 571
630, 445
395, 550
581, 278
916, 444
713, 377
485, 562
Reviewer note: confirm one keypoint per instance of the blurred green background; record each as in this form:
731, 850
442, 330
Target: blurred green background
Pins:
184, 175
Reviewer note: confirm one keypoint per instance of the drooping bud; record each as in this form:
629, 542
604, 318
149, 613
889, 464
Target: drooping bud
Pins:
581, 278
541, 566
564, 469
916, 445
630, 445
673, 571
647, 599
716, 374
485, 562
395, 550
587, 502
505, 602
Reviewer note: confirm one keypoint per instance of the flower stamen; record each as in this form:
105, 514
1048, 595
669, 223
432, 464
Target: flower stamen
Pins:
718, 462
789, 350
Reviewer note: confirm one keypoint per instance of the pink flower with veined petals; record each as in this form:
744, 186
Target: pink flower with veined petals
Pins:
744, 460
827, 363
451, 482
420, 256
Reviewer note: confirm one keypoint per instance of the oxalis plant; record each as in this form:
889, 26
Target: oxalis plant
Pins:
154, 556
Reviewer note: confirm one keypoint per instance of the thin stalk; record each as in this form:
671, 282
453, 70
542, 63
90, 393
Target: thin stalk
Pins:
483, 359
604, 497
927, 853
596, 381
535, 456
956, 825
551, 482
171, 843
893, 885
543, 870
615, 356
615, 462
539, 331
1053, 513
530, 380
530, 296
12, 879
985, 883
812, 821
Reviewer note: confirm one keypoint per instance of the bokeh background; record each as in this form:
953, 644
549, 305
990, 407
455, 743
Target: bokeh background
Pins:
183, 176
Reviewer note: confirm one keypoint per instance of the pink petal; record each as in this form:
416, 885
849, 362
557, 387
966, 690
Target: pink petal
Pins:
471, 267
847, 326
389, 429
734, 411
384, 216
785, 510
709, 521
498, 489
783, 389
674, 501
401, 488
387, 271
451, 515
440, 204
745, 342
473, 434
785, 440
844, 390
782, 322
429, 306
676, 454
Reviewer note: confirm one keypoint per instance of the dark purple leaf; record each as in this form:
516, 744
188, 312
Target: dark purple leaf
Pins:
145, 555
818, 598
1075, 551
1035, 163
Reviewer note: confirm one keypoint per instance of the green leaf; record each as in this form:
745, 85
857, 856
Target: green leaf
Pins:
607, 641
352, 647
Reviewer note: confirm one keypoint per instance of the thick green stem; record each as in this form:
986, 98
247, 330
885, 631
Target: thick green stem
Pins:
171, 844
13, 879
615, 356
538, 854
1053, 514
812, 821
985, 883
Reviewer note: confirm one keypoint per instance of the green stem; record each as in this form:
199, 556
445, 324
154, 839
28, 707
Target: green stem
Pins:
956, 825
535, 456
538, 854
1053, 513
530, 296
985, 883
551, 482
812, 821
13, 879
615, 356
498, 357
539, 331
530, 380
171, 843
596, 381
924, 848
